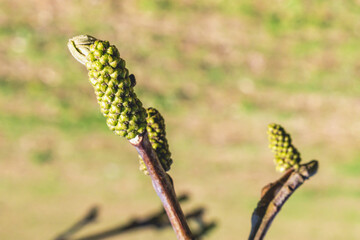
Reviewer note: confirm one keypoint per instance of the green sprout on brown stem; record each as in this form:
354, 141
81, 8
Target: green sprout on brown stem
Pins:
126, 117
275, 194
286, 154
157, 136
145, 130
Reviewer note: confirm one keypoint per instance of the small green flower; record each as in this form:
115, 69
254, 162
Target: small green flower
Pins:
157, 136
286, 155
114, 87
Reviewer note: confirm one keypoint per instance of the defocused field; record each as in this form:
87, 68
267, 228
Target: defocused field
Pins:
219, 71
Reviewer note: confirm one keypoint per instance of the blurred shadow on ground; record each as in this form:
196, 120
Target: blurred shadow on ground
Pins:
157, 220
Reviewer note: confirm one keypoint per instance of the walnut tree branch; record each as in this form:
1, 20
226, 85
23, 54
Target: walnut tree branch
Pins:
163, 186
274, 196
125, 114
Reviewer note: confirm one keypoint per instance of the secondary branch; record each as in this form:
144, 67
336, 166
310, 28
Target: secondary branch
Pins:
274, 196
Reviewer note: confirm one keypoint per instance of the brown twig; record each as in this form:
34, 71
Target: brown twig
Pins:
163, 186
274, 196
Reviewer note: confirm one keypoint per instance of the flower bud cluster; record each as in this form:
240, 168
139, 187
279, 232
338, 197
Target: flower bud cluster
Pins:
114, 90
157, 137
286, 155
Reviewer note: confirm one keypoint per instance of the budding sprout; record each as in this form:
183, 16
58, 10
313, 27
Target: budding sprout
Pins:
113, 86
157, 137
286, 155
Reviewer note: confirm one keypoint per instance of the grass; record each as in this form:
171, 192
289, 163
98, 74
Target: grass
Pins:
219, 71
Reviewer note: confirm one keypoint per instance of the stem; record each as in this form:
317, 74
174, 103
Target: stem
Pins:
274, 196
163, 186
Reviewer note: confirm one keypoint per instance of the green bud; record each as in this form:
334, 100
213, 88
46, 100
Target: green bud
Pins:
131, 135
111, 122
157, 137
80, 47
286, 155
112, 86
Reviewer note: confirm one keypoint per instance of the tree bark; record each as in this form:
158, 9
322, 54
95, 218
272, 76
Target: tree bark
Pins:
163, 186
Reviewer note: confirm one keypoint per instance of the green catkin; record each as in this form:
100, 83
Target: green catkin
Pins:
286, 155
157, 136
113, 85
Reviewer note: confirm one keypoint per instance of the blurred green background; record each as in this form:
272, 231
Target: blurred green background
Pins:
219, 71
